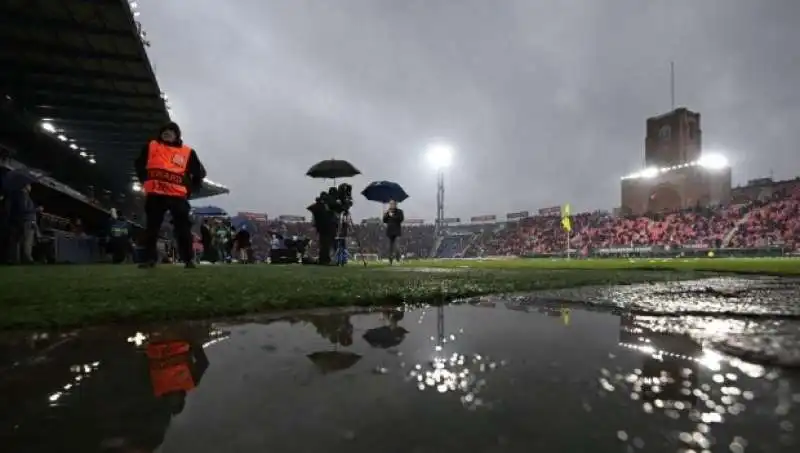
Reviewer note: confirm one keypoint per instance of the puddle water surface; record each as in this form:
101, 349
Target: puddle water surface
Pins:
491, 376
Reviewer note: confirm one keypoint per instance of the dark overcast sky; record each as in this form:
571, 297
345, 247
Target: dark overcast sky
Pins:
545, 102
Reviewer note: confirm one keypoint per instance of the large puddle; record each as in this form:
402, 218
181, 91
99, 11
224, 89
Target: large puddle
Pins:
518, 374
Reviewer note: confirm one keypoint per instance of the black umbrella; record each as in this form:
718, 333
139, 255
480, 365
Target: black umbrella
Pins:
332, 169
330, 361
385, 337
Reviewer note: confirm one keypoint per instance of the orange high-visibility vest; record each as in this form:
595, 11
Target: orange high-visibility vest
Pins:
166, 169
169, 367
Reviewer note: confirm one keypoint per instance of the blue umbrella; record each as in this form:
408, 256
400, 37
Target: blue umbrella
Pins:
239, 222
384, 192
209, 211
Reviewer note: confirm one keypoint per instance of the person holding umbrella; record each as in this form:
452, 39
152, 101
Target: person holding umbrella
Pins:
392, 193
393, 218
327, 208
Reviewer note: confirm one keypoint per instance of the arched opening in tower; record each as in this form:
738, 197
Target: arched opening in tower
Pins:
664, 198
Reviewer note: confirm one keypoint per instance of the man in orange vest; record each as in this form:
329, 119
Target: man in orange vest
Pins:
168, 171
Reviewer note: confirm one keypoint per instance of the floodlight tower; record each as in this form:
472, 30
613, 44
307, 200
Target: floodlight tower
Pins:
440, 156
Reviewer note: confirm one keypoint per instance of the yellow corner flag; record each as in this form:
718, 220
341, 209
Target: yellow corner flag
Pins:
565, 221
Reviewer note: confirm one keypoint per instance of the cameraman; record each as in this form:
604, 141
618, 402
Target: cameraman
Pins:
324, 220
393, 218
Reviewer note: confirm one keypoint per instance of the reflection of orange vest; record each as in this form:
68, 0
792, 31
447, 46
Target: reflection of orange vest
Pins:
169, 367
166, 169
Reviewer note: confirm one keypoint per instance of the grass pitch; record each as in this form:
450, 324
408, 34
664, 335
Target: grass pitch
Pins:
64, 296
766, 266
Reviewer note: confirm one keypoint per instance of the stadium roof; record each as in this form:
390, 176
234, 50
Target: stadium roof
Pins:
79, 69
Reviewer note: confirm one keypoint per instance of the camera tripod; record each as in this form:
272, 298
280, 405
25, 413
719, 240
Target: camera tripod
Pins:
341, 241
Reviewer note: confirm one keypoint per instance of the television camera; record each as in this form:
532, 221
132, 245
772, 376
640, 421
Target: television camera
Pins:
338, 199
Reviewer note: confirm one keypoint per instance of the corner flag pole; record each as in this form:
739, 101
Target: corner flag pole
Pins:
566, 224
568, 252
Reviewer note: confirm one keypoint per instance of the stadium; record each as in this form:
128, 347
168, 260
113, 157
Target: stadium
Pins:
674, 314
80, 98
681, 204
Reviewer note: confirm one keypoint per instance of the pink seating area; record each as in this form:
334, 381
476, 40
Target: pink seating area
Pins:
770, 222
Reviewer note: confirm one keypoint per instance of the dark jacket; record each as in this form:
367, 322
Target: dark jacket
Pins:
394, 223
21, 207
205, 235
195, 171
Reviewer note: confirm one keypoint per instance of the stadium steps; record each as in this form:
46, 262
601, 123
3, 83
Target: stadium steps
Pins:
470, 243
729, 235
436, 244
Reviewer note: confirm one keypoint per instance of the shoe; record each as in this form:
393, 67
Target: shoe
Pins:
190, 265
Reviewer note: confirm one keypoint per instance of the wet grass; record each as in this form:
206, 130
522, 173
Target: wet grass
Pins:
61, 296
762, 266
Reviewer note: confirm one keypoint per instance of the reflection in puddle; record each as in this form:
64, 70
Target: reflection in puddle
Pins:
503, 375
669, 382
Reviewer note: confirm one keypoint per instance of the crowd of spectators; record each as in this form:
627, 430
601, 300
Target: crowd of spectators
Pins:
771, 221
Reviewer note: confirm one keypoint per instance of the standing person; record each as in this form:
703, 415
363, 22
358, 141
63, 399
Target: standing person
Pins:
169, 171
22, 228
325, 222
393, 218
242, 242
230, 234
119, 242
206, 237
220, 236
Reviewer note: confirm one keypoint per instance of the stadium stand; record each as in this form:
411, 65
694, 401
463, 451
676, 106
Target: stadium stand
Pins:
765, 215
78, 100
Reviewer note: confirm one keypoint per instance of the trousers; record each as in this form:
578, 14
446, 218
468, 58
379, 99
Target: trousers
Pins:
156, 206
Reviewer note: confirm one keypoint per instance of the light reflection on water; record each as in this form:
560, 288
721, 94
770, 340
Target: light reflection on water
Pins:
489, 377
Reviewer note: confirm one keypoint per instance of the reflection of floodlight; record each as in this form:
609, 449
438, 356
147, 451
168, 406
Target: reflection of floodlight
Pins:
649, 173
713, 161
48, 127
440, 155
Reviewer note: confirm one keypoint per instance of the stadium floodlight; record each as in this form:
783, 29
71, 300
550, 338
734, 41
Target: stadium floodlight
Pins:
62, 137
83, 154
136, 187
92, 161
649, 172
713, 161
440, 155
48, 126
73, 146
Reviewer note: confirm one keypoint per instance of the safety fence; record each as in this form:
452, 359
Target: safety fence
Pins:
62, 247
